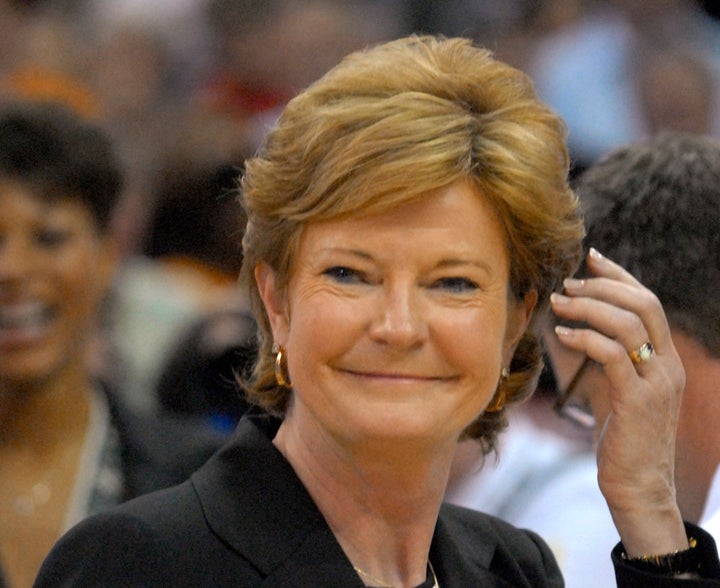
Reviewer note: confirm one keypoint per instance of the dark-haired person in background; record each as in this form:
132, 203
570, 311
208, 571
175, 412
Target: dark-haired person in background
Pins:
68, 448
654, 207
187, 270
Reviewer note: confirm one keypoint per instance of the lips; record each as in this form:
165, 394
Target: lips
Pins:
24, 321
399, 376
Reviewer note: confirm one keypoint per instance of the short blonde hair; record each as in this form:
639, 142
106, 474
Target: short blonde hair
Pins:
387, 125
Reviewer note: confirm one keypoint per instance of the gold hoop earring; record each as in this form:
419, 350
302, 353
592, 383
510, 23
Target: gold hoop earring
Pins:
498, 400
282, 377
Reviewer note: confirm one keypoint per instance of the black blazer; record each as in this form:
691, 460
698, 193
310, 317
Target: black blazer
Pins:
245, 520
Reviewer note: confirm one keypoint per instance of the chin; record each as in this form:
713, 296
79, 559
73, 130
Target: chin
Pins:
398, 426
29, 368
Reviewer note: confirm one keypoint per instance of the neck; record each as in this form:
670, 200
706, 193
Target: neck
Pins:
37, 415
380, 500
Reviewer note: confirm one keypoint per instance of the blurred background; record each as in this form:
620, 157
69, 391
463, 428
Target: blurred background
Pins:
187, 89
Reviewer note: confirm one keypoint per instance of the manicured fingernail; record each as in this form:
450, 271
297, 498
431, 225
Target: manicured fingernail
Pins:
573, 283
595, 254
562, 331
556, 298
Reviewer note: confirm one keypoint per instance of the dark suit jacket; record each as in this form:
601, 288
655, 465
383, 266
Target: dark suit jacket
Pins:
245, 520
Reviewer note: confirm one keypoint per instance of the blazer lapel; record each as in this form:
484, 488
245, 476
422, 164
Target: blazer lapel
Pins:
267, 516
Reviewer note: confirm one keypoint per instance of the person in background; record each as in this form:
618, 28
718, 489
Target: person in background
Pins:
655, 207
68, 448
408, 216
187, 271
606, 74
200, 374
678, 92
268, 50
542, 466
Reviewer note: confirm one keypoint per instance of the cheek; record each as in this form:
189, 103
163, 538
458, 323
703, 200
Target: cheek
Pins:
322, 327
473, 343
80, 286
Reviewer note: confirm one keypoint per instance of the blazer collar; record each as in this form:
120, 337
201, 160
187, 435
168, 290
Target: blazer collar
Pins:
254, 501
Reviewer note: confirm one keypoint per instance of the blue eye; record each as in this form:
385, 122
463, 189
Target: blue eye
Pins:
342, 274
456, 285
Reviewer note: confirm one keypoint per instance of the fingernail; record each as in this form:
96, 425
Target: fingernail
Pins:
573, 283
595, 254
556, 298
562, 331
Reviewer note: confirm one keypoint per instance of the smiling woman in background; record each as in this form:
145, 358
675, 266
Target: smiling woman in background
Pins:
67, 448
407, 218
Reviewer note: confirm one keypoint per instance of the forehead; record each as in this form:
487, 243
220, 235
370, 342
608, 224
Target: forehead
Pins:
20, 201
457, 213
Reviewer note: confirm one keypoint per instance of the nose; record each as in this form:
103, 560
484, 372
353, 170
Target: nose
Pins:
400, 317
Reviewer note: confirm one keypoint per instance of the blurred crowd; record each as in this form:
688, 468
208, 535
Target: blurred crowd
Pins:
187, 88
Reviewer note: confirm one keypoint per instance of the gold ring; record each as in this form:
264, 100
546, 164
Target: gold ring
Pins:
643, 353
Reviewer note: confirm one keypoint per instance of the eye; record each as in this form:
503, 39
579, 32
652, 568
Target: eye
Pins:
343, 274
455, 285
51, 237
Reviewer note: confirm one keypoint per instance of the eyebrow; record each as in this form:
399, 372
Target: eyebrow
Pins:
450, 262
453, 262
353, 252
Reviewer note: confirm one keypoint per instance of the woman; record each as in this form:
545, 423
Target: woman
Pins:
409, 216
67, 449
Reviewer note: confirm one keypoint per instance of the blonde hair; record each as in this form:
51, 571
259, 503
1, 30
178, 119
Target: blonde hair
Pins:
387, 125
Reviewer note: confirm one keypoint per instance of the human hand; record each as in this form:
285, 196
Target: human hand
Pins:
636, 444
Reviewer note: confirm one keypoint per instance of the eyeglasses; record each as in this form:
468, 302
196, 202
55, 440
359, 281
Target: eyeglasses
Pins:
576, 410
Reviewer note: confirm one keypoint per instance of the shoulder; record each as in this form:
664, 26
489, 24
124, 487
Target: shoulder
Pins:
140, 523
159, 539
504, 550
464, 521
118, 546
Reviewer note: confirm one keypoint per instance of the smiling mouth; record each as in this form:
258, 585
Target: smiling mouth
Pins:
24, 319
396, 376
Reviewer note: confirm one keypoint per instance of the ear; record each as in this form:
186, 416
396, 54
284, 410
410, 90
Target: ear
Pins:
519, 315
274, 302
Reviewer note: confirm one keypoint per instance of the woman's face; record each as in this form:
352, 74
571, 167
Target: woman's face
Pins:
397, 324
54, 270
